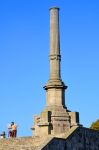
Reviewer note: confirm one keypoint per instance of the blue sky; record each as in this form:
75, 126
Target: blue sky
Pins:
24, 64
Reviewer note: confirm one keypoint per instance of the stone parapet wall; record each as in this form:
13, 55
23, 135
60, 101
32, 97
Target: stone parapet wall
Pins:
80, 139
77, 138
83, 139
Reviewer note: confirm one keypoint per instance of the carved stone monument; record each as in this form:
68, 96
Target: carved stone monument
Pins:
55, 118
56, 128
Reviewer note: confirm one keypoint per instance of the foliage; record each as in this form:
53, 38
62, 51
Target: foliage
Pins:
95, 125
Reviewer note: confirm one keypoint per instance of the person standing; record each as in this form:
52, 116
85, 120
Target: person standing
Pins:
14, 129
9, 130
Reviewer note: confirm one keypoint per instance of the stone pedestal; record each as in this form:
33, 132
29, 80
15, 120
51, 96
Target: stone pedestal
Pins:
54, 120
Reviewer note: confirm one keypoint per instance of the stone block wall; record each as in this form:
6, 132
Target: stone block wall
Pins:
83, 139
80, 139
76, 139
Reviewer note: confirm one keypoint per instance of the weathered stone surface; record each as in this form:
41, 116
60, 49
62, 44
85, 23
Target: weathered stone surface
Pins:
76, 139
83, 139
55, 118
26, 143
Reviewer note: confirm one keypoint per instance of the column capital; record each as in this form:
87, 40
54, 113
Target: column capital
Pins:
54, 7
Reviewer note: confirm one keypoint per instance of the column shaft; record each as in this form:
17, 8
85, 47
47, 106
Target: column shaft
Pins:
54, 44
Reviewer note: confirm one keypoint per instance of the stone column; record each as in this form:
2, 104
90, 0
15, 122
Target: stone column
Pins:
55, 118
54, 44
55, 88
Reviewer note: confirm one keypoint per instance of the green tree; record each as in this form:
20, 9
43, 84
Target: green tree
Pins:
95, 125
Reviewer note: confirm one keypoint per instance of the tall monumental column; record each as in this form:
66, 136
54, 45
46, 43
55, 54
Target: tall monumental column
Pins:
55, 118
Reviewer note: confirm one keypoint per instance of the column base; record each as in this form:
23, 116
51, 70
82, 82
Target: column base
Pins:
54, 120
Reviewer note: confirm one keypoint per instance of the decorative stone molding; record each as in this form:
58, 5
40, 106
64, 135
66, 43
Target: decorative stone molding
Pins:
55, 57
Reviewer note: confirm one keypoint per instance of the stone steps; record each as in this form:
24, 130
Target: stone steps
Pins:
23, 143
